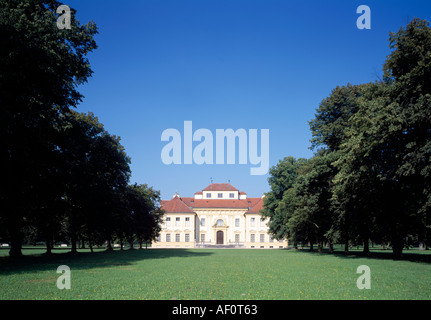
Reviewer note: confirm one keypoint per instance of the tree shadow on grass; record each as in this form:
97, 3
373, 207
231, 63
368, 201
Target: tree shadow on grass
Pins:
408, 255
88, 260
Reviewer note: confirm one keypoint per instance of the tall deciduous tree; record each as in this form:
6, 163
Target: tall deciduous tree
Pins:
41, 67
386, 160
282, 178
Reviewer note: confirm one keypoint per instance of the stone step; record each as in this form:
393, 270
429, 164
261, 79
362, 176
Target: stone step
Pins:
226, 246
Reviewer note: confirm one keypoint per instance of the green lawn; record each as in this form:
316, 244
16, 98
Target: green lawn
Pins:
214, 274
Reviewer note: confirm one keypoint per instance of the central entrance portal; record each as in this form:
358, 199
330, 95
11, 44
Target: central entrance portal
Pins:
219, 237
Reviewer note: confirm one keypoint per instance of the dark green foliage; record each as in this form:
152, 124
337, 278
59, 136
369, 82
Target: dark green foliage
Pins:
64, 176
282, 178
370, 178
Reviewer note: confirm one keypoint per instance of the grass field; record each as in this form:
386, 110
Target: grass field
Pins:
214, 274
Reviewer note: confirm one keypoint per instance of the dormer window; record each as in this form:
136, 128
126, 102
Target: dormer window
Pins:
231, 195
219, 195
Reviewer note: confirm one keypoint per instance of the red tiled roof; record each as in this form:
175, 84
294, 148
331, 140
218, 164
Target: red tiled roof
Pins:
175, 205
257, 207
187, 204
188, 201
220, 187
216, 203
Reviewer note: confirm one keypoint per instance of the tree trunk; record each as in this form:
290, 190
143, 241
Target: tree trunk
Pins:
397, 247
331, 247
108, 246
311, 246
295, 245
73, 239
346, 247
16, 239
48, 247
90, 244
16, 243
366, 247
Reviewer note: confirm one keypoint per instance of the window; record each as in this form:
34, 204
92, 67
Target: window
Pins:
237, 237
202, 237
208, 195
187, 222
252, 221
168, 221
168, 237
203, 222
177, 237
219, 195
237, 222
219, 222
262, 238
177, 221
231, 195
252, 237
271, 238
262, 222
159, 238
187, 239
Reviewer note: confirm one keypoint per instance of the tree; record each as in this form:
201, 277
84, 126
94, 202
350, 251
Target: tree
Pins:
328, 128
408, 71
386, 159
144, 210
329, 133
41, 67
282, 177
306, 206
96, 173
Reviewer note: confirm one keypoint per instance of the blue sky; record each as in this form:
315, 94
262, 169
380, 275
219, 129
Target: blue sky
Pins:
227, 64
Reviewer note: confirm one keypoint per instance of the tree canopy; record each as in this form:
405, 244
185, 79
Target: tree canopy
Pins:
369, 179
64, 176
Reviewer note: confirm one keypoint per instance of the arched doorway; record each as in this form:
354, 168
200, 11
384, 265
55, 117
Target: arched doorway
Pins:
219, 237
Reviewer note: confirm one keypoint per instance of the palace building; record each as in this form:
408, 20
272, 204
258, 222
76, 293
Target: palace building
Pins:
218, 216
